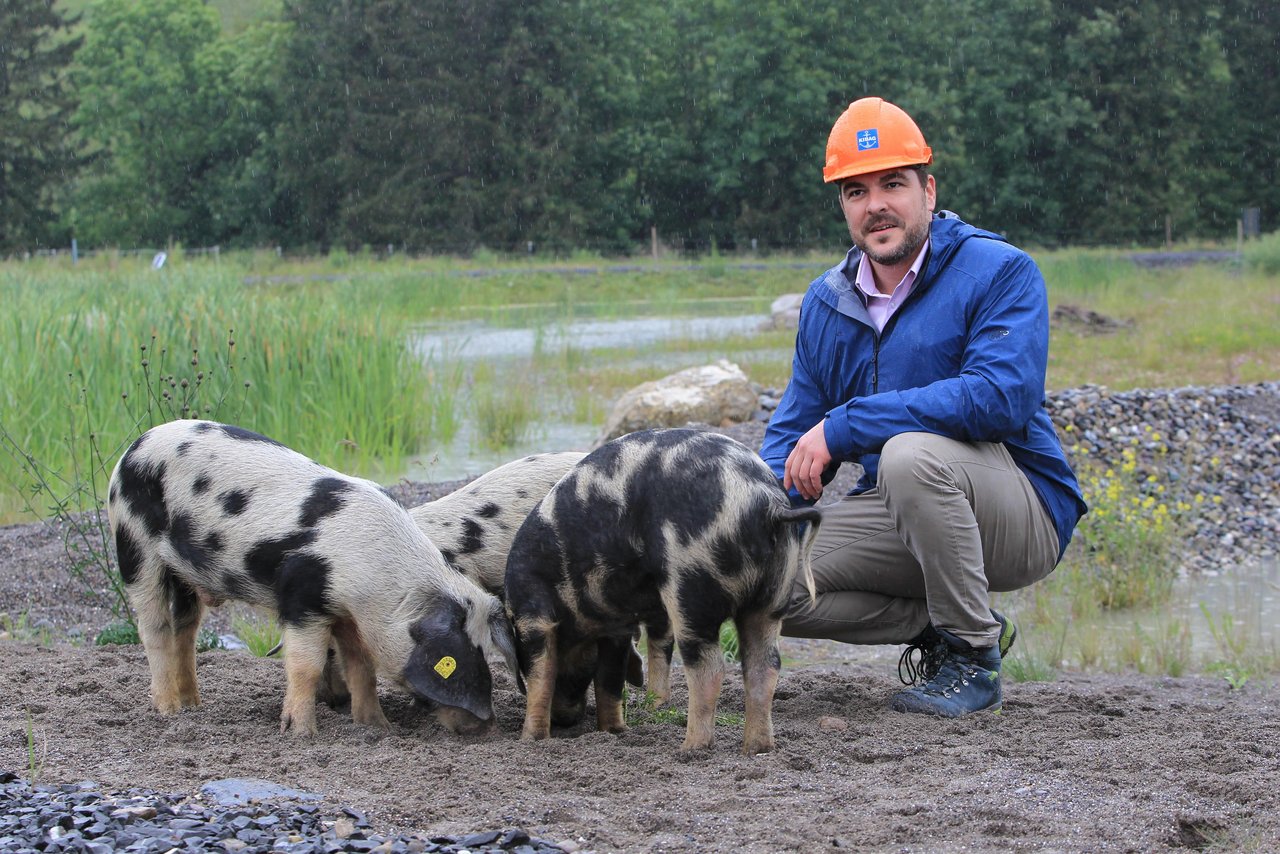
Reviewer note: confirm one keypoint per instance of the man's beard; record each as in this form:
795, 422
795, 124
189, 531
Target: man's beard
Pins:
911, 243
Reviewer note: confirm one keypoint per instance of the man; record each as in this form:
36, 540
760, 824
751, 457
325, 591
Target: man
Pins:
921, 356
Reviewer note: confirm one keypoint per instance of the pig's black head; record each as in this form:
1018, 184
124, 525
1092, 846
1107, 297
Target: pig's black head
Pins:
448, 669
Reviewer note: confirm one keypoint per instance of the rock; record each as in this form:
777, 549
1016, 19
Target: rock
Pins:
784, 312
830, 723
712, 394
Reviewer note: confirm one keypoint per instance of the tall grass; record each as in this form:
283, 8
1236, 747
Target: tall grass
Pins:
1207, 324
110, 355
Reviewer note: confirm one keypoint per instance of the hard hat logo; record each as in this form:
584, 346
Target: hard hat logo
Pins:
870, 136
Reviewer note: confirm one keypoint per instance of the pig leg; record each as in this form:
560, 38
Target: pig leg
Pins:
611, 672
660, 646
169, 613
306, 648
575, 672
538, 662
704, 673
333, 684
361, 676
758, 637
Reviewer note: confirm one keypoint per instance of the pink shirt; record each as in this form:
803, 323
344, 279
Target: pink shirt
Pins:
882, 306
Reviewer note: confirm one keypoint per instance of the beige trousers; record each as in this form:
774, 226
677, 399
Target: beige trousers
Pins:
947, 522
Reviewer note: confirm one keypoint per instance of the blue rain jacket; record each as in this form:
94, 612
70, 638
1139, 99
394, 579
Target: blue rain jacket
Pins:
964, 356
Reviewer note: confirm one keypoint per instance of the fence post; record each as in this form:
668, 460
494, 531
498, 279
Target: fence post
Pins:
653, 241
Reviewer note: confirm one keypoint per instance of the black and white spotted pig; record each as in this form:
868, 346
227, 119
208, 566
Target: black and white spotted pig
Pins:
676, 530
204, 512
474, 526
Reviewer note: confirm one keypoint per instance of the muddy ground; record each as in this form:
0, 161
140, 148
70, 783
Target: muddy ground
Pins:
1083, 763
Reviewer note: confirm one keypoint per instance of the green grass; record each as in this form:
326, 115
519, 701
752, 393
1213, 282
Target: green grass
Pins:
260, 634
1208, 324
643, 709
111, 354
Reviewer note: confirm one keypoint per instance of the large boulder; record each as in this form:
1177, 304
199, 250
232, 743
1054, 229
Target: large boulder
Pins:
784, 312
718, 394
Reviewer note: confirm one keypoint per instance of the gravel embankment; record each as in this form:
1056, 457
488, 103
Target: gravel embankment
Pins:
1216, 448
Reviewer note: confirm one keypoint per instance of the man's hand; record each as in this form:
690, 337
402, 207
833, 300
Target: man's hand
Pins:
806, 463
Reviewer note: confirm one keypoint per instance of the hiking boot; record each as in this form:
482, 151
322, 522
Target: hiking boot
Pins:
966, 681
923, 656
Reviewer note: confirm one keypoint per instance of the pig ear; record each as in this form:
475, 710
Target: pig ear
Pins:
504, 638
446, 667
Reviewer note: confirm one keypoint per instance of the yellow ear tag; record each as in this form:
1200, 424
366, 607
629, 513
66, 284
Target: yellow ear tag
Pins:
446, 666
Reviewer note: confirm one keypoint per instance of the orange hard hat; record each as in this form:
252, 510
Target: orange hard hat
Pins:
872, 135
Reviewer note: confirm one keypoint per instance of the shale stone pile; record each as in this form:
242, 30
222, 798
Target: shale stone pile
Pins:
1220, 444
81, 818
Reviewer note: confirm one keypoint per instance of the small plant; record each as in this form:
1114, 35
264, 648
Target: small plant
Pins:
21, 628
1130, 534
503, 416
1092, 649
36, 756
118, 634
648, 712
1028, 664
1170, 647
729, 643
1225, 634
1235, 678
260, 635
1237, 664
207, 639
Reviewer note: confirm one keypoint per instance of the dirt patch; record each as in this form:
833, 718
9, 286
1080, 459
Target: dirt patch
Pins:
1083, 763
1086, 321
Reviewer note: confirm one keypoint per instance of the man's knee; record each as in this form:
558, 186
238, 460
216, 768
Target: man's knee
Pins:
907, 454
798, 601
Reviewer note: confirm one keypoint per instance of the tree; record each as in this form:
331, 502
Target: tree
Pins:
36, 102
180, 120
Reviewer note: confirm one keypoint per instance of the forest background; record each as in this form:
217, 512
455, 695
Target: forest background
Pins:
432, 126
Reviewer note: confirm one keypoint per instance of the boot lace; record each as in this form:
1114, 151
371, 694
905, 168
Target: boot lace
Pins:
921, 662
954, 674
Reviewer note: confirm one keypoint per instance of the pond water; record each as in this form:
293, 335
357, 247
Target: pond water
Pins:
1249, 596
509, 347
478, 340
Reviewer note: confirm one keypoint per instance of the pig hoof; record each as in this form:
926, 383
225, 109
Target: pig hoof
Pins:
169, 704
378, 721
758, 749
296, 728
690, 746
534, 736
